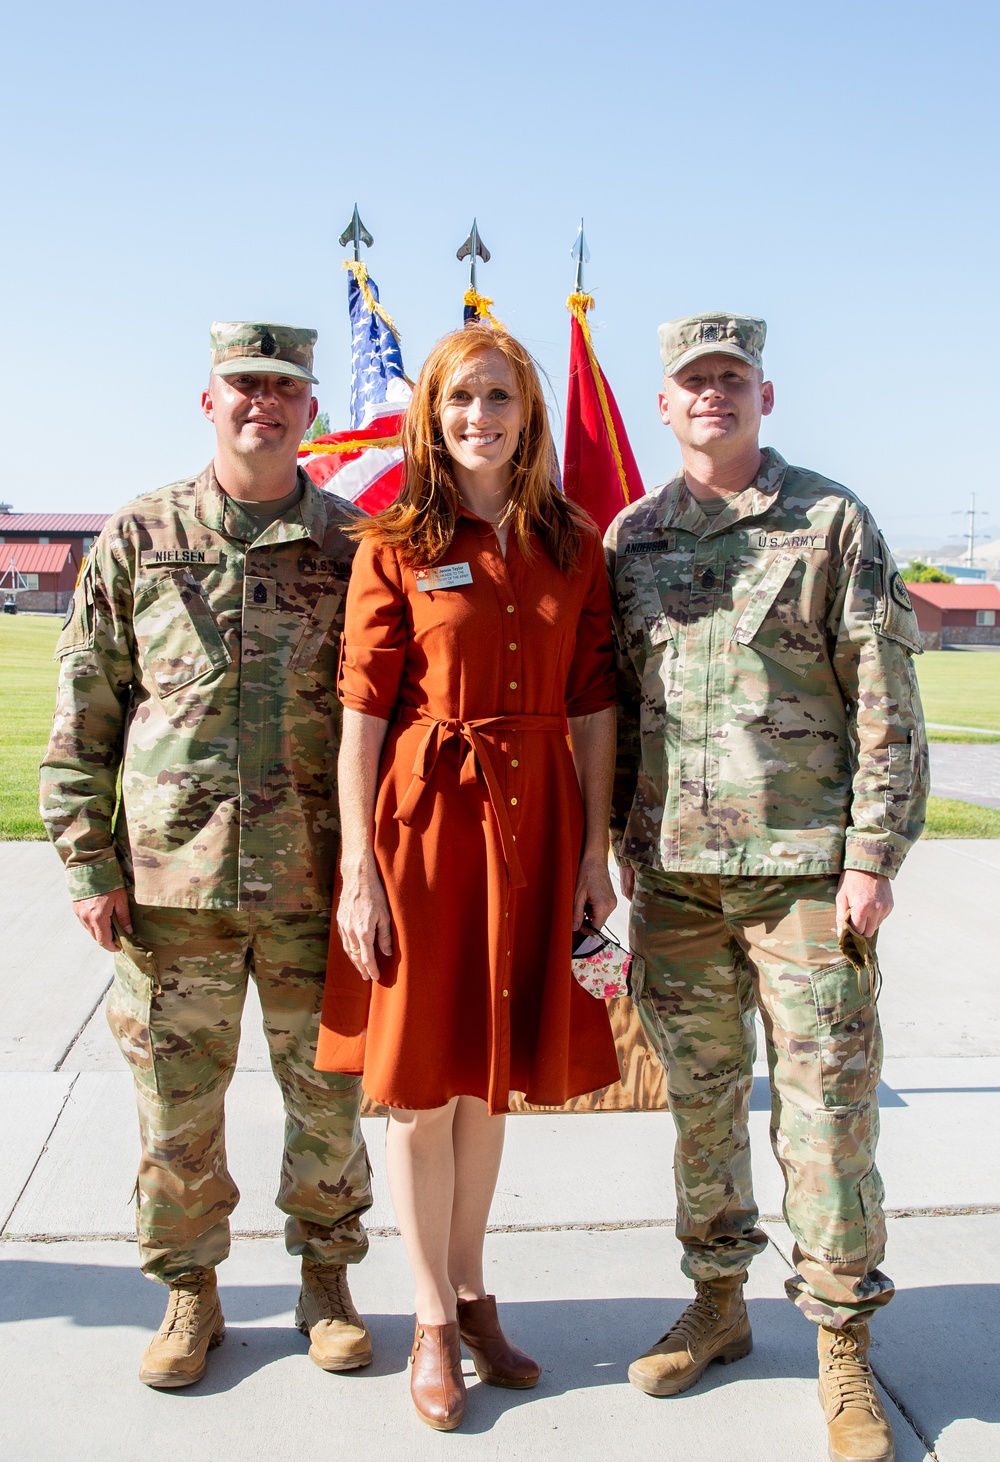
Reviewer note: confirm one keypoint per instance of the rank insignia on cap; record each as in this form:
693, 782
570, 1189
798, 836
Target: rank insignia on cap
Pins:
241, 347
713, 333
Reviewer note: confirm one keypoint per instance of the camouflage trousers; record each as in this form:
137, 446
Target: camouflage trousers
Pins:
717, 950
175, 1009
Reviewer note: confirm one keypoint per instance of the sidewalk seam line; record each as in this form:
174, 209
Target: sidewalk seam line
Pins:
890, 1393
93, 1011
904, 1413
41, 1152
582, 1226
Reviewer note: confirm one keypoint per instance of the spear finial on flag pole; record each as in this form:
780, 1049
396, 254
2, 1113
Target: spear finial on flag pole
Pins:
581, 254
599, 470
477, 306
355, 233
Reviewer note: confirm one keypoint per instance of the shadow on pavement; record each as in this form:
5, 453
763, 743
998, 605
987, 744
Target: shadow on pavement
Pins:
935, 1349
581, 1343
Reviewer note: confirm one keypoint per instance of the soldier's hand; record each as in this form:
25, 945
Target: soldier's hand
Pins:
95, 914
626, 880
863, 900
594, 897
363, 917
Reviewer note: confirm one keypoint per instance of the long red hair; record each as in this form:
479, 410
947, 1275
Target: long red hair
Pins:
420, 524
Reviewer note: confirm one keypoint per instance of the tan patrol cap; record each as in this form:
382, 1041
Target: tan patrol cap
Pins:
274, 350
714, 333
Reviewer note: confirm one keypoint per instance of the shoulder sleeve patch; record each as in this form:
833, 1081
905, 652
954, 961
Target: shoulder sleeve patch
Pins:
894, 615
897, 588
79, 626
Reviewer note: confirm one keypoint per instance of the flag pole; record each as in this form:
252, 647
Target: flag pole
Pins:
477, 306
581, 254
356, 234
625, 473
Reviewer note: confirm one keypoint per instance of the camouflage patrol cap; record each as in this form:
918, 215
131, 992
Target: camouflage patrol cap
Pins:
239, 346
714, 333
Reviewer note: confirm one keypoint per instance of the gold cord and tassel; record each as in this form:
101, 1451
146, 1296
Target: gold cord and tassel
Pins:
481, 304
359, 271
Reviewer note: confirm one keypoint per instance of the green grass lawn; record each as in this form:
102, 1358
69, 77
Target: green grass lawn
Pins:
967, 738
961, 687
27, 696
946, 819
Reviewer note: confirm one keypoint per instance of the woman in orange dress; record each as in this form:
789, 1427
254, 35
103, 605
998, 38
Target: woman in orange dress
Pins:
473, 841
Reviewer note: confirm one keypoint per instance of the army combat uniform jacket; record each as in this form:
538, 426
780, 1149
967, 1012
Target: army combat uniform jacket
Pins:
199, 662
769, 719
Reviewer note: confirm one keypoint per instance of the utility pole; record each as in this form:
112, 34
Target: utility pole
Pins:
971, 535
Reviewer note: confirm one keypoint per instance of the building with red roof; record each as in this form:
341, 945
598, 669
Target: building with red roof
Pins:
39, 576
956, 614
52, 575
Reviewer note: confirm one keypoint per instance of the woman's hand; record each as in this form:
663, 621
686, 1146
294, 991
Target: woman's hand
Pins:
363, 917
594, 898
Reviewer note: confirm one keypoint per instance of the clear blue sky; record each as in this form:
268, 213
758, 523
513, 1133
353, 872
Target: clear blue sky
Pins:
830, 167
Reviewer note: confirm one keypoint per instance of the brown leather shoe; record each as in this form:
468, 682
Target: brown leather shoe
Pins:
436, 1381
497, 1361
339, 1338
715, 1326
858, 1427
193, 1325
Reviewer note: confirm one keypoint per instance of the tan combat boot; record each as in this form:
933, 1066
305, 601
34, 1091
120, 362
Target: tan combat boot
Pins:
859, 1429
715, 1327
193, 1325
340, 1340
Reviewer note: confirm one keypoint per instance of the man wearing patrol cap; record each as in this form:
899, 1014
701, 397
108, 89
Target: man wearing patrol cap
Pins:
772, 773
198, 667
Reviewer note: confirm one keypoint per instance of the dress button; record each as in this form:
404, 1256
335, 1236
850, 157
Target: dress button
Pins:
513, 802
505, 994
513, 685
512, 646
513, 761
510, 609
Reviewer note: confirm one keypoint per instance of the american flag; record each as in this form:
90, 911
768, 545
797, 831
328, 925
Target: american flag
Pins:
365, 464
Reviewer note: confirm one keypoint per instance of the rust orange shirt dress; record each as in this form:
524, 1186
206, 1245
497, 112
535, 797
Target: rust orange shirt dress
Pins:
478, 824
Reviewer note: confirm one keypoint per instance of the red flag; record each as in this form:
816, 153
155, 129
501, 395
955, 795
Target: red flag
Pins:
599, 470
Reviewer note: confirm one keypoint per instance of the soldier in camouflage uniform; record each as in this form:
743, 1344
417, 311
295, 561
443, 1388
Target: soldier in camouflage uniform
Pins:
198, 667
772, 773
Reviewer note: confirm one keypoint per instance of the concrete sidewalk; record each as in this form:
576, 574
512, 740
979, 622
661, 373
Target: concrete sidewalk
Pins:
582, 1254
966, 772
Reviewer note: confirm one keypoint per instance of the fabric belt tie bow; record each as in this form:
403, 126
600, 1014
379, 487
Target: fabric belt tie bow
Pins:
475, 759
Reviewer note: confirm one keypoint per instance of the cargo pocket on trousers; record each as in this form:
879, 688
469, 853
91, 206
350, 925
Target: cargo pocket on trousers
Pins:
846, 1026
871, 1191
130, 1006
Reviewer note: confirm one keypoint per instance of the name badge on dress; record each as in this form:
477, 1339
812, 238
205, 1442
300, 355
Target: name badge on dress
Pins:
444, 576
